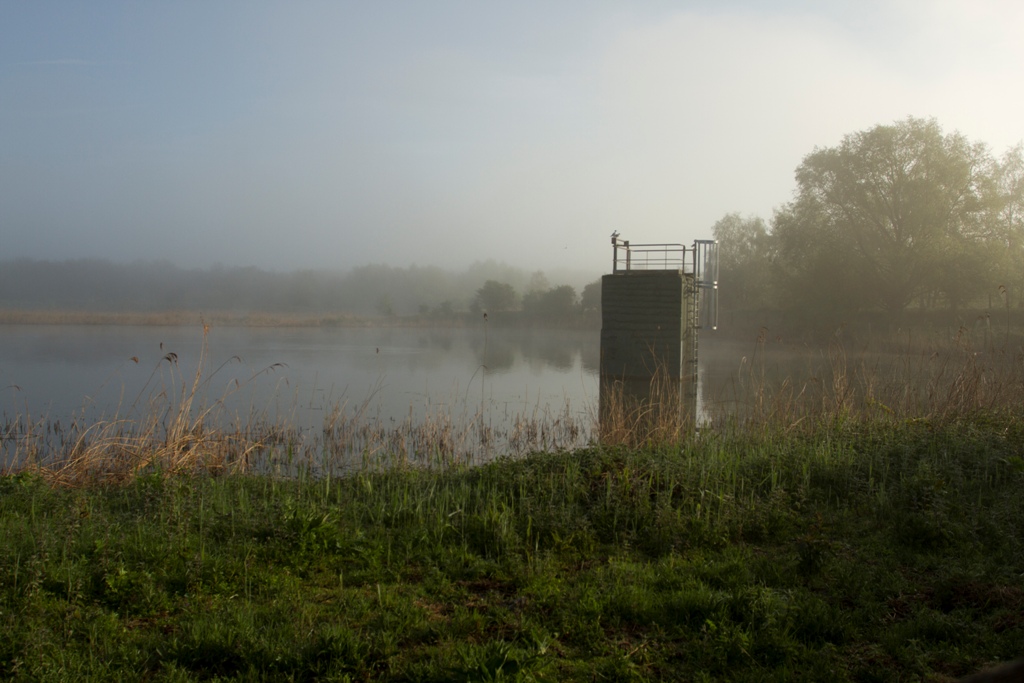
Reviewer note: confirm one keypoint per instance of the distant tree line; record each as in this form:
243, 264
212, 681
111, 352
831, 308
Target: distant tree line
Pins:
894, 218
371, 290
539, 301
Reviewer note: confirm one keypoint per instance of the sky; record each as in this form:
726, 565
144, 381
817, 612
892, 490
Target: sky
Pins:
290, 135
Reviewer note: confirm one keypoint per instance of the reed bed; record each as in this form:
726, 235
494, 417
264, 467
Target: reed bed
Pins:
844, 554
176, 428
836, 527
889, 380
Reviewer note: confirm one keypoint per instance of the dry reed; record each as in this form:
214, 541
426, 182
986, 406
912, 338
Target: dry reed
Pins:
176, 429
905, 381
172, 432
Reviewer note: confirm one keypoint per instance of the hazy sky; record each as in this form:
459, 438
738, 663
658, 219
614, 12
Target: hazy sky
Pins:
333, 134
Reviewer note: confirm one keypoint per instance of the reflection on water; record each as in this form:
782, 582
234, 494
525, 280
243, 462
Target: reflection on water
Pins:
298, 375
302, 374
542, 350
492, 391
907, 374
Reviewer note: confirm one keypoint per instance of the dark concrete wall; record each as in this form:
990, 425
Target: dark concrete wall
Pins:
643, 325
647, 344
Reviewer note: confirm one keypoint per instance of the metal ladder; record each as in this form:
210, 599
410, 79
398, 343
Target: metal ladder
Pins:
704, 301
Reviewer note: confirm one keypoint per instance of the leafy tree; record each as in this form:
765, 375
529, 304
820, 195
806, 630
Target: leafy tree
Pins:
744, 260
384, 305
302, 290
496, 296
557, 302
1007, 223
538, 282
893, 213
590, 299
445, 309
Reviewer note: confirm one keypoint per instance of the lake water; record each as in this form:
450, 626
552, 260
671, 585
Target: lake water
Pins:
527, 388
297, 374
305, 377
55, 372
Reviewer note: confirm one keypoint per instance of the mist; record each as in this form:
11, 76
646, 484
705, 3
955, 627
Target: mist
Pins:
376, 290
331, 136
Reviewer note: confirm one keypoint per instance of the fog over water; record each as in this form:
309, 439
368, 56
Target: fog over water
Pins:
296, 376
299, 376
474, 393
331, 135
330, 165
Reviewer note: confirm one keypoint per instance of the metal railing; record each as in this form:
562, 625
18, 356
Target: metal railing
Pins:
701, 260
626, 256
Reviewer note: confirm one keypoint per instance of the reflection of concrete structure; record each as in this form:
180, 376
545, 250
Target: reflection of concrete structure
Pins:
652, 306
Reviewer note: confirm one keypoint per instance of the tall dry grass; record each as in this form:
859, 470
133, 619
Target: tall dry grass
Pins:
639, 414
170, 427
174, 426
353, 439
893, 379
901, 378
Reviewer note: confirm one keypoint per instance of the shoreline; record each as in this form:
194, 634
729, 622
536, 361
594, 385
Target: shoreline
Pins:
187, 318
772, 325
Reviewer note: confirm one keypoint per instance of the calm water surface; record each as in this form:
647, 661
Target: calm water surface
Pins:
297, 374
301, 377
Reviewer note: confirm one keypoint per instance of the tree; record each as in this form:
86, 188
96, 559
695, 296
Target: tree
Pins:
590, 299
744, 261
560, 301
893, 213
1008, 223
384, 305
496, 296
557, 302
538, 282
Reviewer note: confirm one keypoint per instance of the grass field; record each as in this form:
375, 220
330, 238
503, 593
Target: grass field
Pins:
866, 525
841, 553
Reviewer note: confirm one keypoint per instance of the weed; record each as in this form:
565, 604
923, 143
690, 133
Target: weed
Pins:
827, 541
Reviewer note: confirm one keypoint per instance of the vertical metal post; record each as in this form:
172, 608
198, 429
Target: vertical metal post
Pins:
694, 323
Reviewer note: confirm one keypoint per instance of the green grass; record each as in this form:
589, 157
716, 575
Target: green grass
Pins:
844, 552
